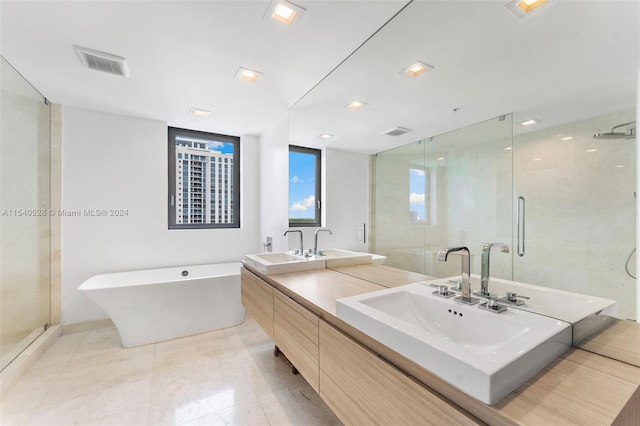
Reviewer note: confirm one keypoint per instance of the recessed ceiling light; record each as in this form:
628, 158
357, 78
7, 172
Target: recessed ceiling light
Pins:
199, 112
591, 150
356, 105
537, 159
620, 165
522, 8
508, 148
528, 5
283, 11
247, 74
326, 136
415, 69
440, 158
529, 122
566, 138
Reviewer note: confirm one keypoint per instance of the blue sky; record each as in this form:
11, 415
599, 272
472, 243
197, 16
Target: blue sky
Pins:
416, 192
301, 185
225, 148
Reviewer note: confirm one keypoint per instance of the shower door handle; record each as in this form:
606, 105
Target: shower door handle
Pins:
520, 226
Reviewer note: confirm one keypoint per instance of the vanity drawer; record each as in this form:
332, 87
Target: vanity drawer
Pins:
296, 335
257, 298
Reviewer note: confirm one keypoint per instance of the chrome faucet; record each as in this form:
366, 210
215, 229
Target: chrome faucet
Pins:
301, 251
315, 242
466, 271
484, 271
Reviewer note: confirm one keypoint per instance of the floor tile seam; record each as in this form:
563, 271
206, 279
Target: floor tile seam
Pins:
155, 346
82, 342
254, 389
264, 410
33, 410
87, 394
226, 408
53, 383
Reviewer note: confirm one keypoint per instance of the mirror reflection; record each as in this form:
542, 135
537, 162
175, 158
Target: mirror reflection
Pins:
502, 140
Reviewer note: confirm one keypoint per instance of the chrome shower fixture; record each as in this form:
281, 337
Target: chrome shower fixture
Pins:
629, 133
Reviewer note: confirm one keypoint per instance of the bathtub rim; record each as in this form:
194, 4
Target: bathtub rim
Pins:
103, 281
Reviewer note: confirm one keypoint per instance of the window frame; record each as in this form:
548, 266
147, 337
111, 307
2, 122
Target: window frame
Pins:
172, 198
318, 194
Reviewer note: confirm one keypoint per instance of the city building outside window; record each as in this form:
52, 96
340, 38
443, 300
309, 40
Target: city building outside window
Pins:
199, 197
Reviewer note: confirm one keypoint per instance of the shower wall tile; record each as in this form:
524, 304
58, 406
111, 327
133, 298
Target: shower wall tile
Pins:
580, 217
56, 204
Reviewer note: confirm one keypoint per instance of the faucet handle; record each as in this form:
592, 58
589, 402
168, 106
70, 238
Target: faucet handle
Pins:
442, 291
492, 301
512, 296
457, 285
492, 305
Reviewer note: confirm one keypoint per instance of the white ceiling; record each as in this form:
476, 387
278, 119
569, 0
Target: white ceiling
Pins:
567, 61
184, 54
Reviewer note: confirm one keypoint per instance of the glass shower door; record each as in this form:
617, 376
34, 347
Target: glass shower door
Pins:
25, 295
575, 222
454, 189
398, 207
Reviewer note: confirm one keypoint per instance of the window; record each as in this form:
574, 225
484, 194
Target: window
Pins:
200, 199
304, 186
418, 184
422, 194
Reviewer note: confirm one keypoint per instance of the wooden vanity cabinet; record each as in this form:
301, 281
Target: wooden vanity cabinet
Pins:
362, 388
257, 298
296, 335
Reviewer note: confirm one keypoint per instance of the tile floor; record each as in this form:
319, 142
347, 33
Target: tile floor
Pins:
226, 377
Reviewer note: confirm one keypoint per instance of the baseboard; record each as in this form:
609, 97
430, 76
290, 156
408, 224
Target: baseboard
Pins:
79, 327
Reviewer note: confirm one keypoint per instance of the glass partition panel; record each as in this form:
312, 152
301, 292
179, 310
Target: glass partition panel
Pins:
398, 194
450, 190
25, 295
579, 213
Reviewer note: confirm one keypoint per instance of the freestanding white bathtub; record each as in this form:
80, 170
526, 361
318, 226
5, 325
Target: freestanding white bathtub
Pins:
161, 304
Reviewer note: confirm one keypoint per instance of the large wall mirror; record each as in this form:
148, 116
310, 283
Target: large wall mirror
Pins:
459, 168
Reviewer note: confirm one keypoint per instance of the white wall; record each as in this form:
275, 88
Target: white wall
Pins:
346, 200
345, 189
117, 162
274, 184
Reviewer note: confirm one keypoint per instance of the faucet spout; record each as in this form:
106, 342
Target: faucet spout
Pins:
484, 271
301, 242
315, 242
466, 269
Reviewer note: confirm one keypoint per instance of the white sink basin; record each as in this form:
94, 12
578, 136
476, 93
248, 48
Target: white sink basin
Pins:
285, 262
282, 263
563, 305
337, 258
484, 354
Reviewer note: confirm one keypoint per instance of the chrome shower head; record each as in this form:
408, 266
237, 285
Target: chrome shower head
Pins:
628, 134
609, 135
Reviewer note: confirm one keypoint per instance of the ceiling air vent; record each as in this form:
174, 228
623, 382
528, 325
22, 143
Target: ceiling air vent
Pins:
101, 61
396, 131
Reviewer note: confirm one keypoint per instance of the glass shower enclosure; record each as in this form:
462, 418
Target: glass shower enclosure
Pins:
561, 199
25, 294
